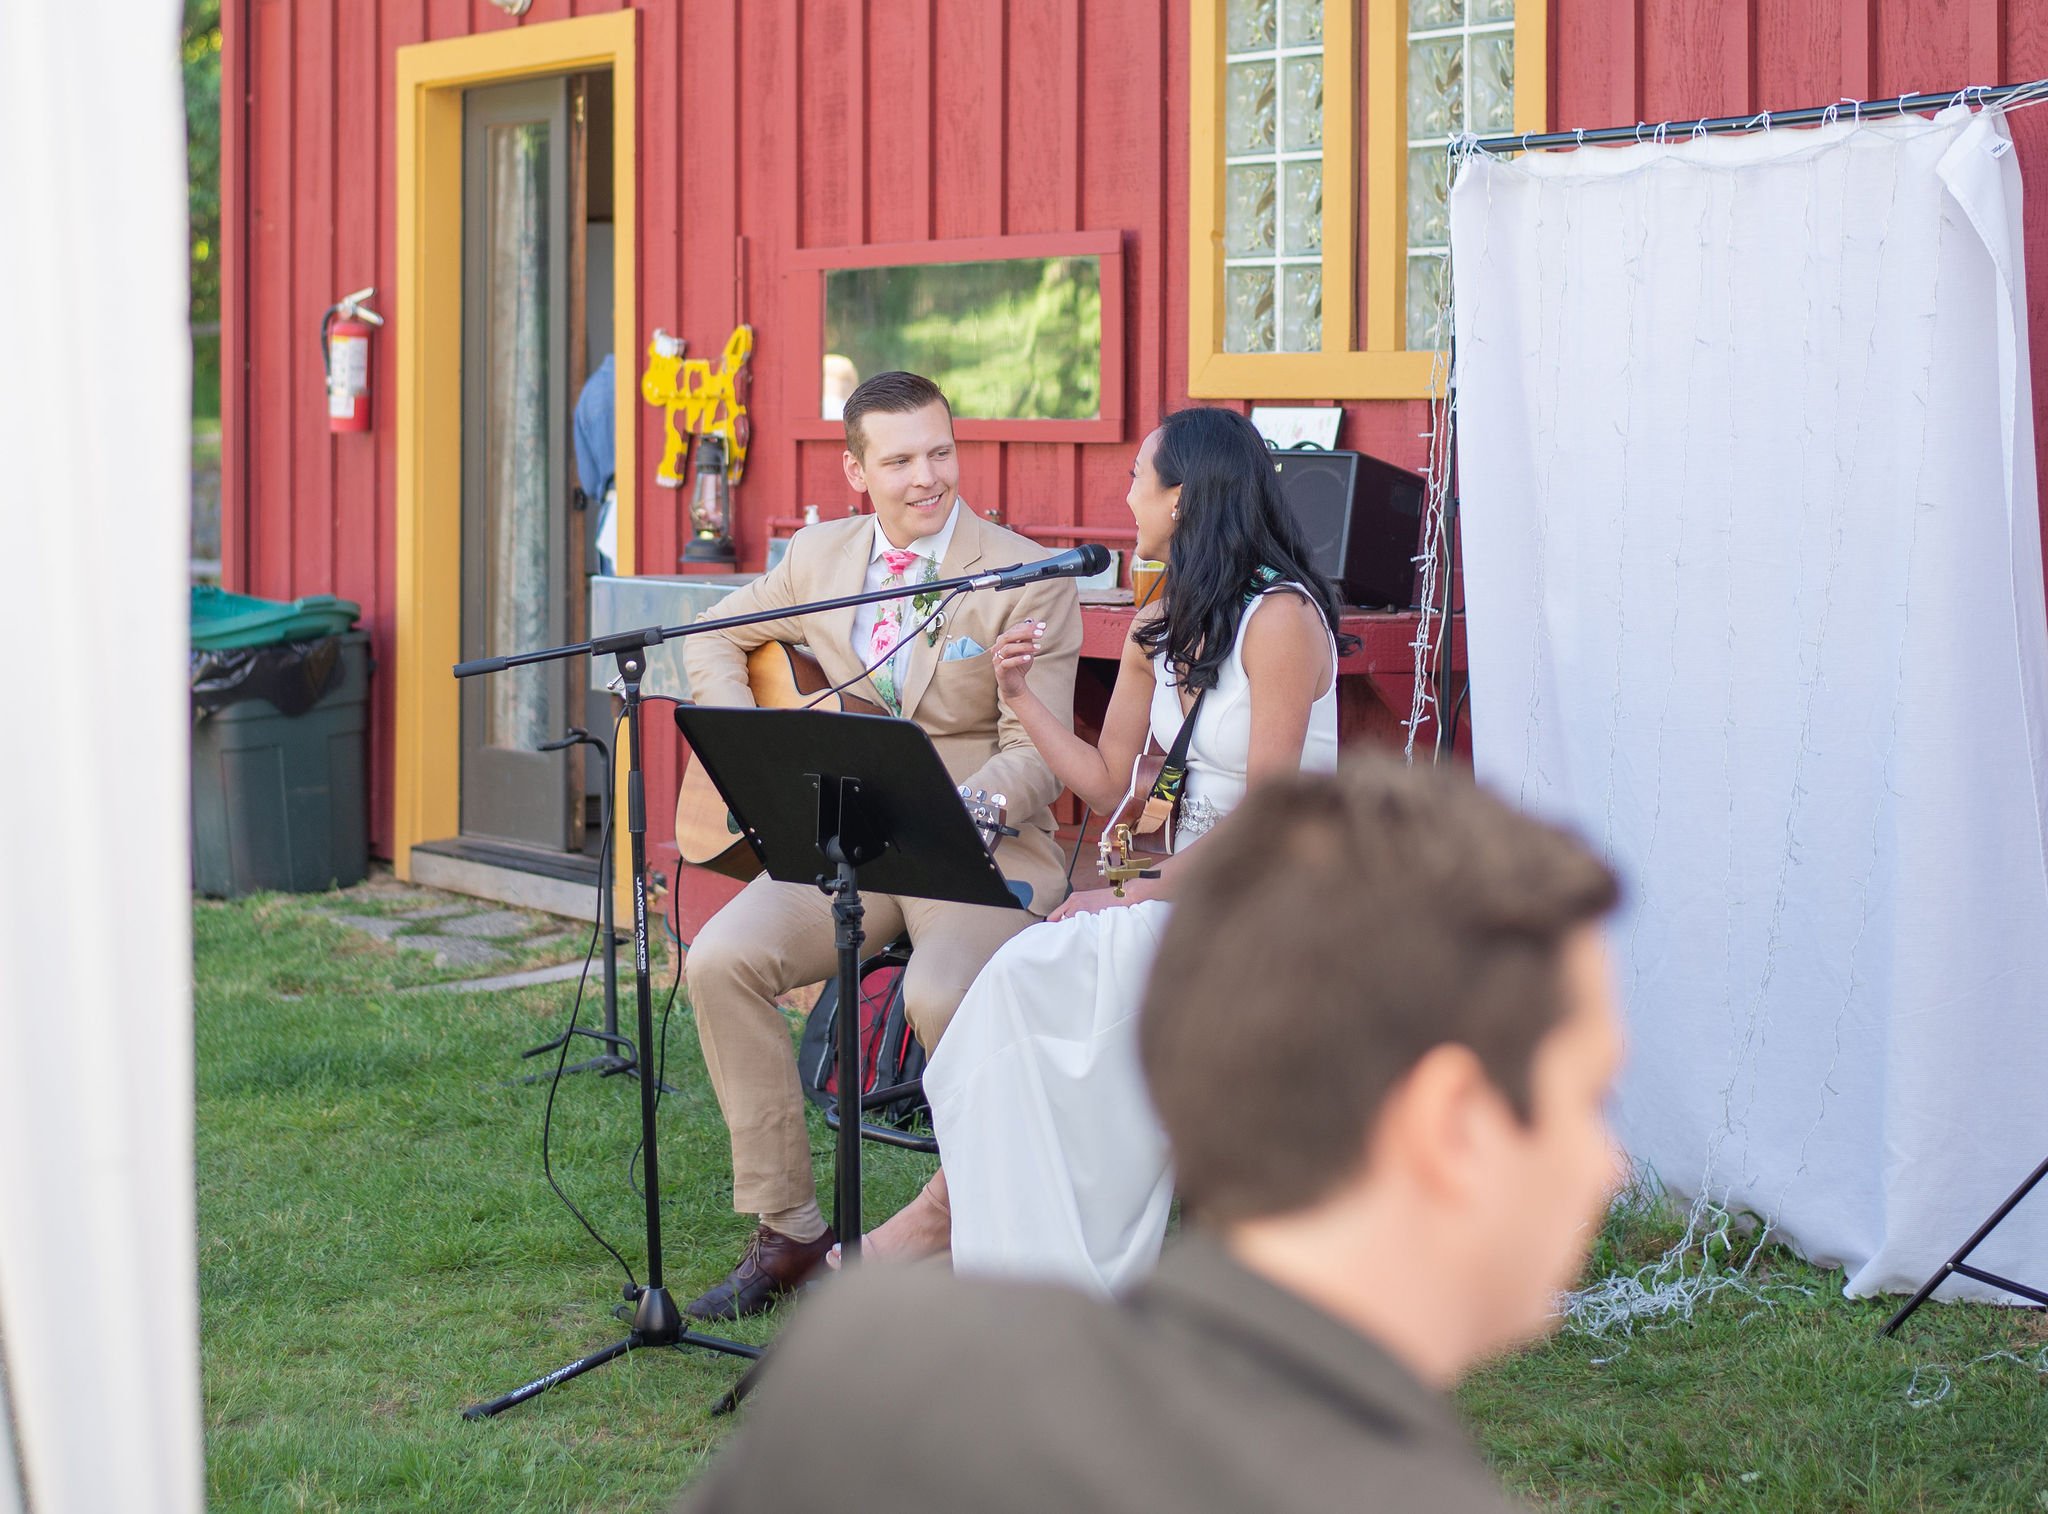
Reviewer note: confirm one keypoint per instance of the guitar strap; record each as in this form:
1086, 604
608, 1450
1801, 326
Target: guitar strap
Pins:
1162, 804
1173, 776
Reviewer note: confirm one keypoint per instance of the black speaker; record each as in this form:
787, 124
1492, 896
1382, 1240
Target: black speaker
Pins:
1362, 518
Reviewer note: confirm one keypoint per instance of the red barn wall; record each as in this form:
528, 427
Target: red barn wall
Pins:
778, 124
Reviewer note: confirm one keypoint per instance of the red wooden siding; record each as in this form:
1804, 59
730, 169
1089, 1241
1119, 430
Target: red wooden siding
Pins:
774, 125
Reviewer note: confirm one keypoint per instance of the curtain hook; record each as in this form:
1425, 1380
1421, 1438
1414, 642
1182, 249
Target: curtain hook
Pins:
1639, 132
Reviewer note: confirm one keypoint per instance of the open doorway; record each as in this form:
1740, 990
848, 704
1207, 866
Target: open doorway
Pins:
538, 439
435, 86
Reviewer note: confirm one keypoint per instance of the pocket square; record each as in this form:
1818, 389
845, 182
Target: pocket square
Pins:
961, 646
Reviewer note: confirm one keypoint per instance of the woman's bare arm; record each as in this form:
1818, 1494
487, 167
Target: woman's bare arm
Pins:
1099, 774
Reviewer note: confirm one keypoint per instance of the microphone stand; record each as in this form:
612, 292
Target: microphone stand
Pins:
656, 1319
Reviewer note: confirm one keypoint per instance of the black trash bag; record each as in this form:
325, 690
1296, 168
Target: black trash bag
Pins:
293, 675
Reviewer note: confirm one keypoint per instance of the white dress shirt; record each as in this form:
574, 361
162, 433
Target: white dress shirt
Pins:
864, 618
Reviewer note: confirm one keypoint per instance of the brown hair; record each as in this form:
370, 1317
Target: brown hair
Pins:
1333, 930
893, 394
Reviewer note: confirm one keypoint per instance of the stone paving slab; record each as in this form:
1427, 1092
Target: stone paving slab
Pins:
437, 911
561, 972
383, 927
491, 925
458, 933
456, 951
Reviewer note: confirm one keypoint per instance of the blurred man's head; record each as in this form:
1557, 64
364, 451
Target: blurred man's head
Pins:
1380, 1035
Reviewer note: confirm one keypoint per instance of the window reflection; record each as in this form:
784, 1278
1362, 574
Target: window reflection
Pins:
1009, 339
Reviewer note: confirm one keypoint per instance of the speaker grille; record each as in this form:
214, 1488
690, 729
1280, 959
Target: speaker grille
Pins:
1363, 521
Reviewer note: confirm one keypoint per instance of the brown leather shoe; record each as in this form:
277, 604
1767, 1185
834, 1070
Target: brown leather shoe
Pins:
771, 1266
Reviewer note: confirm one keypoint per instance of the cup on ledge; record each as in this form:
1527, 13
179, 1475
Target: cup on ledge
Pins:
1147, 579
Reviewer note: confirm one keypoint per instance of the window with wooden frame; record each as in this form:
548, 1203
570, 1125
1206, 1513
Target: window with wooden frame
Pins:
1274, 225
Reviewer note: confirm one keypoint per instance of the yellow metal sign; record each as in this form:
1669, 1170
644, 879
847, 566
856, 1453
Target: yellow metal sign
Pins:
698, 400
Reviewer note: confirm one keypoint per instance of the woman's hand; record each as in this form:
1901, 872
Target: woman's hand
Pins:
1090, 902
1012, 656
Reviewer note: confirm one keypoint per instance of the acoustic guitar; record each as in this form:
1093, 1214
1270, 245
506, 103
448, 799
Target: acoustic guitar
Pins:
783, 677
1138, 835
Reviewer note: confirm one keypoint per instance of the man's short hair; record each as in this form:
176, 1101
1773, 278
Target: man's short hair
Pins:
1334, 930
891, 393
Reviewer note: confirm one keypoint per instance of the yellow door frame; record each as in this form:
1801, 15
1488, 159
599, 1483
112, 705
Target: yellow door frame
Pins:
431, 79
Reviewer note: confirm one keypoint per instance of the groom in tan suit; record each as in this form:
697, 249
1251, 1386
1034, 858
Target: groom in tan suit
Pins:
778, 936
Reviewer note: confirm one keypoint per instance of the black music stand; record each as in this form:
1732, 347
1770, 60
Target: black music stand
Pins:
846, 802
656, 1320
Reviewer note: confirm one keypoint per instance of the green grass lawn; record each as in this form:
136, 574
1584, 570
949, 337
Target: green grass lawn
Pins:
378, 1250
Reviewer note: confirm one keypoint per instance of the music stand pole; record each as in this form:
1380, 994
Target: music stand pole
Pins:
656, 1320
848, 914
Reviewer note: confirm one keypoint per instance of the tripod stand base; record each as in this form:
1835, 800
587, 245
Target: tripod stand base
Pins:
656, 1322
1957, 1265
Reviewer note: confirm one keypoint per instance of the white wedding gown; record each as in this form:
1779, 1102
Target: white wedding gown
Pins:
1056, 1165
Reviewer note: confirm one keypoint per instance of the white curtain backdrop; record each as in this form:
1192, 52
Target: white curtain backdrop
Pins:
98, 1297
1753, 569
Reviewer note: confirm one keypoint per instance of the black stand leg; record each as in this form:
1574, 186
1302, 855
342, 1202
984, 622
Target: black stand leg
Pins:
656, 1320
1958, 1264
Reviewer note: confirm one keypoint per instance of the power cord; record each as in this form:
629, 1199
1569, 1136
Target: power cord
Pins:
604, 850
672, 927
916, 630
671, 922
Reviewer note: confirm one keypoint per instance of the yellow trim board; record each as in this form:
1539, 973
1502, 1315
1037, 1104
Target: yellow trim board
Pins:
426, 790
1380, 368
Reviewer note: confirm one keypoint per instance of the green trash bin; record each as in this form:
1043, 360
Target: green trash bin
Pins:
279, 800
221, 620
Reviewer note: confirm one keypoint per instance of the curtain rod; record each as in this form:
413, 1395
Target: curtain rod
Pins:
1643, 131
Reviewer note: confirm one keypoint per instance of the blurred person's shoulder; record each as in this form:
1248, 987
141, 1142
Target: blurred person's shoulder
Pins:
1193, 1394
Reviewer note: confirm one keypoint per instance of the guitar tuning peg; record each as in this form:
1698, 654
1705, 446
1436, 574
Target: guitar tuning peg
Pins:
1000, 801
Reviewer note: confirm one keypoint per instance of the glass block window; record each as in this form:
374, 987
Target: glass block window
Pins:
1461, 77
1273, 176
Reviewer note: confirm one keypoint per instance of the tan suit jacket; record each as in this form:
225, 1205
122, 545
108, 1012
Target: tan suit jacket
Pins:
1208, 1388
981, 743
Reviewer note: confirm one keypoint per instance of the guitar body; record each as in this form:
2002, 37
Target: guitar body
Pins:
782, 677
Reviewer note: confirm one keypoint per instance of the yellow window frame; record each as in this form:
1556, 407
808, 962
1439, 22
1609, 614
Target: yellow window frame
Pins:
1383, 368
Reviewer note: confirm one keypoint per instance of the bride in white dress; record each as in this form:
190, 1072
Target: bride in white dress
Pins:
1055, 1166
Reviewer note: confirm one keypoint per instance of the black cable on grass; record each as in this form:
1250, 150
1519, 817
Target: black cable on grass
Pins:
674, 931
604, 849
671, 926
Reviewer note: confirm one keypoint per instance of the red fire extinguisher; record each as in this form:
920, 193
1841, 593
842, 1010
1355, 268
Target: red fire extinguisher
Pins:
345, 354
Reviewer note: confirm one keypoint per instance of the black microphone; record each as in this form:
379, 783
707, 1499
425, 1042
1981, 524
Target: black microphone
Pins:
1075, 562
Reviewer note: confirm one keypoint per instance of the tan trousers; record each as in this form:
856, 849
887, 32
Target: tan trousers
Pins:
774, 937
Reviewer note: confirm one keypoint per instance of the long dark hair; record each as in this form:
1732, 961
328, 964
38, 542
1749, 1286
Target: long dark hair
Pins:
1232, 524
